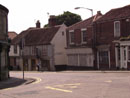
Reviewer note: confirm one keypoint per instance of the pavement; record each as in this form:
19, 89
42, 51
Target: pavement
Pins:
13, 82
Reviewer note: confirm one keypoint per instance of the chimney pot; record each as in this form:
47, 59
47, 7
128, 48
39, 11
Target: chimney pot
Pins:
99, 13
38, 24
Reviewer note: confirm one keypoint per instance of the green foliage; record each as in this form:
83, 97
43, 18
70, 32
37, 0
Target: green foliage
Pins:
67, 18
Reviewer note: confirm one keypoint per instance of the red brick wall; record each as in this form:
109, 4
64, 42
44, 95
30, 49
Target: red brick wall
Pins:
105, 36
105, 33
78, 39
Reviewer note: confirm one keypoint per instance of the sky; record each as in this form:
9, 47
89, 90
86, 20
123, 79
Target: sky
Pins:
24, 13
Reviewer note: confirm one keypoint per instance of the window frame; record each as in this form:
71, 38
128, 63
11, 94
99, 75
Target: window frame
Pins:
117, 32
70, 37
82, 36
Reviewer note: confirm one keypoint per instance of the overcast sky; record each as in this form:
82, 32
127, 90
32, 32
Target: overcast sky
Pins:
24, 13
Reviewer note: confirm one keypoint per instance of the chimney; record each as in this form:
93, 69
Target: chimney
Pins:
52, 21
99, 13
97, 16
38, 24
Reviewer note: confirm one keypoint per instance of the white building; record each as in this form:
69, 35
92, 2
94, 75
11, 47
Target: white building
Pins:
43, 47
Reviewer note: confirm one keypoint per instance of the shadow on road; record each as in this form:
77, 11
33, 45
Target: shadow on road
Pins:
13, 82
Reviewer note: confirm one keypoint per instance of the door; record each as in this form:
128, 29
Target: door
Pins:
103, 60
123, 57
33, 64
118, 57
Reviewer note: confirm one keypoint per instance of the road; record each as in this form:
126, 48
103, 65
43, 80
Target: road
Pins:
71, 85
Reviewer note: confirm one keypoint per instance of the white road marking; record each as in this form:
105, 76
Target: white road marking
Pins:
58, 89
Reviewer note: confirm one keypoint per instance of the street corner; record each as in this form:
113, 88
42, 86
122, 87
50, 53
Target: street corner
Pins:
11, 82
15, 82
36, 80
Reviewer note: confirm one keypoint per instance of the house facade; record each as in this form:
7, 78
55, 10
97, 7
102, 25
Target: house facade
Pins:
14, 53
42, 48
4, 43
111, 33
80, 54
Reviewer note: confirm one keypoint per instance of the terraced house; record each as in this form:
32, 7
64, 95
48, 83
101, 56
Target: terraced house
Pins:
80, 54
111, 37
4, 45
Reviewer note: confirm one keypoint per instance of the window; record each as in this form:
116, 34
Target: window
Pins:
103, 57
84, 36
15, 48
72, 37
117, 29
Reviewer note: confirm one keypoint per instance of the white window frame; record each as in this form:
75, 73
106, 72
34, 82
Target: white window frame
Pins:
82, 30
70, 40
117, 32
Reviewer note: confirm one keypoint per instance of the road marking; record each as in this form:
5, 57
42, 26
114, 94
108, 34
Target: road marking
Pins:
58, 89
37, 80
109, 81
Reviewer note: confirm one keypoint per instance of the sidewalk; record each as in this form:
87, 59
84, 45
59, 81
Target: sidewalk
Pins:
13, 82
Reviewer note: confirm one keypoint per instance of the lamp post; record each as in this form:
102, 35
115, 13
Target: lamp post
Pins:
85, 8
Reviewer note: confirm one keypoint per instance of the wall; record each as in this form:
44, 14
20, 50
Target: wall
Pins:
11, 53
59, 43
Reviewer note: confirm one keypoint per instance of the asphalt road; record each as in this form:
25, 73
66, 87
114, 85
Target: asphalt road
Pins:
71, 85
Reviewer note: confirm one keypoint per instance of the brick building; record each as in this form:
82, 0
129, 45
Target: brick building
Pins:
80, 54
111, 34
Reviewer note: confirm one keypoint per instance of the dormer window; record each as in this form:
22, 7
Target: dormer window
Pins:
117, 29
84, 35
72, 36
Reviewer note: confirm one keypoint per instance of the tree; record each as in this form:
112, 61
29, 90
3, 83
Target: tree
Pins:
67, 18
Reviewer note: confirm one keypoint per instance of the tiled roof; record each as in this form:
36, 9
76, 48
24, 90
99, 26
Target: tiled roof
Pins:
82, 24
117, 13
86, 23
12, 35
18, 38
40, 36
